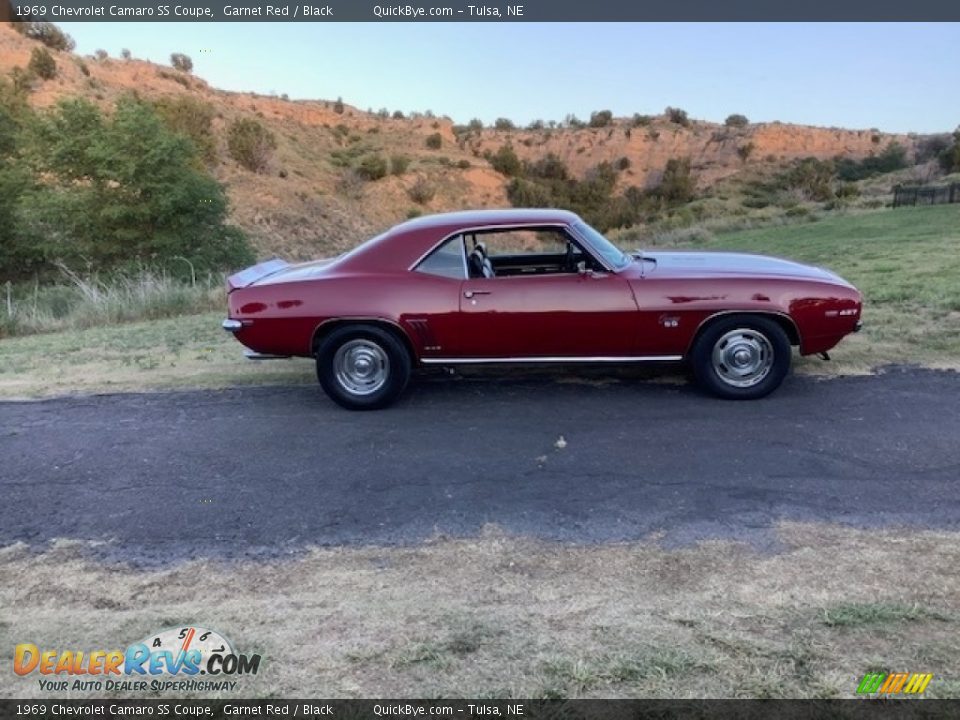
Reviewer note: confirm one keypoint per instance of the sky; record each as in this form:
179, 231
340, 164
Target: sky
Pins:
896, 77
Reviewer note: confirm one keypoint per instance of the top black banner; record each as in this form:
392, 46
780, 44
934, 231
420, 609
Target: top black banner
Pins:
454, 11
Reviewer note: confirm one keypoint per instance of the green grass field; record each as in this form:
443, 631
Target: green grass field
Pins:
906, 261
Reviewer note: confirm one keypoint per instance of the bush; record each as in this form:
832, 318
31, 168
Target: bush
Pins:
372, 167
434, 141
476, 124
573, 122
421, 192
601, 118
677, 184
42, 64
126, 54
623, 163
250, 144
46, 33
82, 66
677, 116
399, 164
463, 164
100, 54
120, 190
503, 124
736, 120
192, 118
181, 62
641, 120
506, 162
745, 151
813, 178
338, 106
893, 157
397, 115
950, 157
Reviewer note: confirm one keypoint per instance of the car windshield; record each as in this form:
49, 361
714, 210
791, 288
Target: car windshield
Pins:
611, 254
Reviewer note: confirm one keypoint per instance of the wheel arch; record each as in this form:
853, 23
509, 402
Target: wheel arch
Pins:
328, 326
785, 322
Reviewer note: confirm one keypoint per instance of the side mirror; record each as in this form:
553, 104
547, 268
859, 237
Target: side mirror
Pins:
582, 267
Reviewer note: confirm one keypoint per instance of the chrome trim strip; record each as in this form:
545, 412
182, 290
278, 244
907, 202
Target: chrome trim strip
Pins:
251, 355
551, 359
231, 325
508, 226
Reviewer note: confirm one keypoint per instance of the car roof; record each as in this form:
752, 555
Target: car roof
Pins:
500, 216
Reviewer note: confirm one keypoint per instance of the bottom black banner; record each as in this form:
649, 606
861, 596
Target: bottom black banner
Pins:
484, 709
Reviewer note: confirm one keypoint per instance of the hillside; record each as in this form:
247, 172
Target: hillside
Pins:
305, 203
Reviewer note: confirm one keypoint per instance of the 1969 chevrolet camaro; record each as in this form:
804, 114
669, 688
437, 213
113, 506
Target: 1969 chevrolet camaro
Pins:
542, 286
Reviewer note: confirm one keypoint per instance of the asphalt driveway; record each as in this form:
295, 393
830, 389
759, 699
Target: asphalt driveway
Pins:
268, 471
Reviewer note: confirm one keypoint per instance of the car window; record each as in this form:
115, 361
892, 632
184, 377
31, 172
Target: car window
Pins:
446, 261
524, 251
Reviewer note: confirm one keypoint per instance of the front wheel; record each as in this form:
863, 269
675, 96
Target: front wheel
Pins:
741, 357
362, 367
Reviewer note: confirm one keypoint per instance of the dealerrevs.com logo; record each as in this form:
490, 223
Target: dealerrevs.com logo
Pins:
171, 659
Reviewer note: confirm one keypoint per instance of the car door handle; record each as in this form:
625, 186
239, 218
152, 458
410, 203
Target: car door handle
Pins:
470, 293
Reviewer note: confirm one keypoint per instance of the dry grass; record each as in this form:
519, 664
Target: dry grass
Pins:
500, 616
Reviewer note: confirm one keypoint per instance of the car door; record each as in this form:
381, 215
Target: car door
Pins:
554, 314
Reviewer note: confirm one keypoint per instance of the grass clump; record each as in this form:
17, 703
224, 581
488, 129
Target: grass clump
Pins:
250, 144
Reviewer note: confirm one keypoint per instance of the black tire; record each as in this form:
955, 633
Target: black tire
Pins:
363, 367
741, 357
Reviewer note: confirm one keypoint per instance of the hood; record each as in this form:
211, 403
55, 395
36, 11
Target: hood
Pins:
735, 264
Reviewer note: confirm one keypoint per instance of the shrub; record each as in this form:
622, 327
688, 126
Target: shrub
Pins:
677, 184
250, 144
893, 157
181, 62
82, 66
572, 121
176, 77
813, 178
503, 124
931, 147
536, 125
476, 124
677, 116
399, 164
950, 157
100, 54
736, 120
42, 64
506, 162
193, 118
623, 163
744, 151
372, 167
463, 164
397, 115
601, 118
122, 189
641, 120
338, 107
46, 33
434, 141
421, 192
126, 54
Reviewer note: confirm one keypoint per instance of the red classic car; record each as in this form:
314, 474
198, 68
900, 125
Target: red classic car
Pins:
541, 286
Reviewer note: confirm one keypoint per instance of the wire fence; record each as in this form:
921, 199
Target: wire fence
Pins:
926, 195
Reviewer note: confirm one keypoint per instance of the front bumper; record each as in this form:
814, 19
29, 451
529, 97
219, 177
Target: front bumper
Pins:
856, 328
231, 325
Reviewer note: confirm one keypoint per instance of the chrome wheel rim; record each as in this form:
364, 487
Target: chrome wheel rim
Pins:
742, 357
361, 367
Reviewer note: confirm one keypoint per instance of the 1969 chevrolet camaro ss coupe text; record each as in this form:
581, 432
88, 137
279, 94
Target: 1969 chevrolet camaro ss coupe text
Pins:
504, 286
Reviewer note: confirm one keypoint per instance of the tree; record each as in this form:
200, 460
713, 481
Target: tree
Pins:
46, 33
123, 189
181, 62
193, 118
503, 124
506, 162
950, 157
736, 120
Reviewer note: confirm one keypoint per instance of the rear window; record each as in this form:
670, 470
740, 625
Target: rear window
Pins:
447, 260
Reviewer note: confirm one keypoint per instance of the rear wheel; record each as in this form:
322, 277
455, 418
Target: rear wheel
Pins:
362, 367
741, 357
